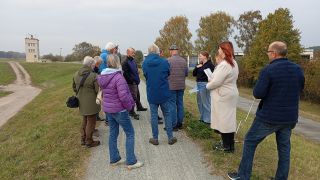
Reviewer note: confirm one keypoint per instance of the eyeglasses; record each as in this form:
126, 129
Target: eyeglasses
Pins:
269, 52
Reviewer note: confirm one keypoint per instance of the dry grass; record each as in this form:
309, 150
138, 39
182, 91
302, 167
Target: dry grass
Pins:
305, 154
42, 141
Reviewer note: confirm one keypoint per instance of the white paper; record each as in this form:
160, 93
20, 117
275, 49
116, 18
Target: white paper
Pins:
208, 73
193, 90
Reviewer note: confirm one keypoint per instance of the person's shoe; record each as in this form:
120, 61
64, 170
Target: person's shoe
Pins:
233, 176
179, 126
172, 141
135, 166
154, 141
83, 142
219, 147
134, 115
93, 144
160, 121
175, 129
142, 109
159, 118
121, 161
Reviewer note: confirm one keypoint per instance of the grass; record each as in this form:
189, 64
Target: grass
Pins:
305, 154
43, 141
4, 93
6, 73
307, 109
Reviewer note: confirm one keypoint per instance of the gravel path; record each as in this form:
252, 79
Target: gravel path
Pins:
181, 161
306, 127
22, 94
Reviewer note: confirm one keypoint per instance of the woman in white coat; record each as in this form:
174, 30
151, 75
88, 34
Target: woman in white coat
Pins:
224, 96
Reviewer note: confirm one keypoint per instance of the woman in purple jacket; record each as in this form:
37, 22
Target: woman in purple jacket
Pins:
117, 101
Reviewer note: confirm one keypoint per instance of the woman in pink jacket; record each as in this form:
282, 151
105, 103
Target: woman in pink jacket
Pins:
117, 101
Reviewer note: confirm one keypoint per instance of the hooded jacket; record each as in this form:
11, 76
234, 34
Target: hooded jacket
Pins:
103, 65
88, 92
115, 90
156, 71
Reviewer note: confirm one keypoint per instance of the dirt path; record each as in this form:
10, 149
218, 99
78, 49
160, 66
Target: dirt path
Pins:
182, 160
22, 94
306, 127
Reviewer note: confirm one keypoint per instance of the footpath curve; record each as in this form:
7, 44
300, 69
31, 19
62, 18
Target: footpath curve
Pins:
22, 94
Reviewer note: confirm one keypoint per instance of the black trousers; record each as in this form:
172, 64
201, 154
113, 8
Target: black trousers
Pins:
228, 140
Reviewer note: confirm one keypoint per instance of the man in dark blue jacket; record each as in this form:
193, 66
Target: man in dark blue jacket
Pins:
279, 86
156, 71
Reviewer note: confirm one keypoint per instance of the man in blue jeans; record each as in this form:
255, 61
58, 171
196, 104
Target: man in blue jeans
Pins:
178, 73
156, 71
279, 86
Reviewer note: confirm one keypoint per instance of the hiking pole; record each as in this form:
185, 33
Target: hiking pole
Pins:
246, 117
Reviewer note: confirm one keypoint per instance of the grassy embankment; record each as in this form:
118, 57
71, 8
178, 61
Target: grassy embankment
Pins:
7, 76
42, 141
305, 154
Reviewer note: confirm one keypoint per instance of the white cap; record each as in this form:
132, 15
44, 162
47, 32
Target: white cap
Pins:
110, 45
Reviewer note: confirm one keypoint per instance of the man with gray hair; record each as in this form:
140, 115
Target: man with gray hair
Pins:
178, 73
279, 86
110, 48
156, 71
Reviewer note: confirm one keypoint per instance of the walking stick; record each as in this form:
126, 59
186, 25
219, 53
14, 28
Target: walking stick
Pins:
246, 117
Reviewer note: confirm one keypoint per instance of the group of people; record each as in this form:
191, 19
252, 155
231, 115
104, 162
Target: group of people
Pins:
279, 86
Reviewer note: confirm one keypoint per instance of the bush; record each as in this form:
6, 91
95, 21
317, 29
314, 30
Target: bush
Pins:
312, 80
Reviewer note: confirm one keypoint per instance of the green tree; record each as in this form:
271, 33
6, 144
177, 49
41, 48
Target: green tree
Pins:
278, 26
175, 31
52, 57
139, 57
247, 25
214, 29
81, 50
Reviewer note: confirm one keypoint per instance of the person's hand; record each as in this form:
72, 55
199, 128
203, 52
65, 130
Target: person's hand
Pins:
199, 65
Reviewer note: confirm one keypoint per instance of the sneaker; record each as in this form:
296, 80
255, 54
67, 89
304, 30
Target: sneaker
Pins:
219, 147
142, 109
134, 115
93, 144
154, 141
135, 166
172, 141
121, 161
233, 176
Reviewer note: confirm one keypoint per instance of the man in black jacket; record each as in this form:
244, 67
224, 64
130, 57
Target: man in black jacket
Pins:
131, 74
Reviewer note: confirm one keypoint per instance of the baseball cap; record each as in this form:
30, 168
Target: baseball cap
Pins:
173, 47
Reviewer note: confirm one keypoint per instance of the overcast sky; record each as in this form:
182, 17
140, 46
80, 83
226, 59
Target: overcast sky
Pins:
64, 23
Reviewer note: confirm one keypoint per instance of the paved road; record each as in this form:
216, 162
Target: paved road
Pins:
181, 161
305, 126
22, 94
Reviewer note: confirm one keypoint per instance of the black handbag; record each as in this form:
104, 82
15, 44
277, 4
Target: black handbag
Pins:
73, 101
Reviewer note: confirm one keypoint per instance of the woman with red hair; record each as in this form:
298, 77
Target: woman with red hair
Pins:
224, 96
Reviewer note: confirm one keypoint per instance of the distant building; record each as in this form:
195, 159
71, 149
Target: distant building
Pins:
32, 49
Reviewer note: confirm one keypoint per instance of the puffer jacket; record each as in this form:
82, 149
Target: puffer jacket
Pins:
115, 91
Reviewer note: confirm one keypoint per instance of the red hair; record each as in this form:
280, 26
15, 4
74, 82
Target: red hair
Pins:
205, 53
227, 49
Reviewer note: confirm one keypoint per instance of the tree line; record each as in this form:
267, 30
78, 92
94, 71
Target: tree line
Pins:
12, 54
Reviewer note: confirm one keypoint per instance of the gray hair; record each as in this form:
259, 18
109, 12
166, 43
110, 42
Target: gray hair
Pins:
97, 59
280, 48
88, 61
153, 49
113, 61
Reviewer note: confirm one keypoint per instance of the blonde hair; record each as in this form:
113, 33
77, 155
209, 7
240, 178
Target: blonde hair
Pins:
113, 61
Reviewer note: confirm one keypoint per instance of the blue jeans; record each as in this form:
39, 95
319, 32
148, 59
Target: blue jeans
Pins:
165, 108
177, 109
258, 131
122, 119
204, 102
